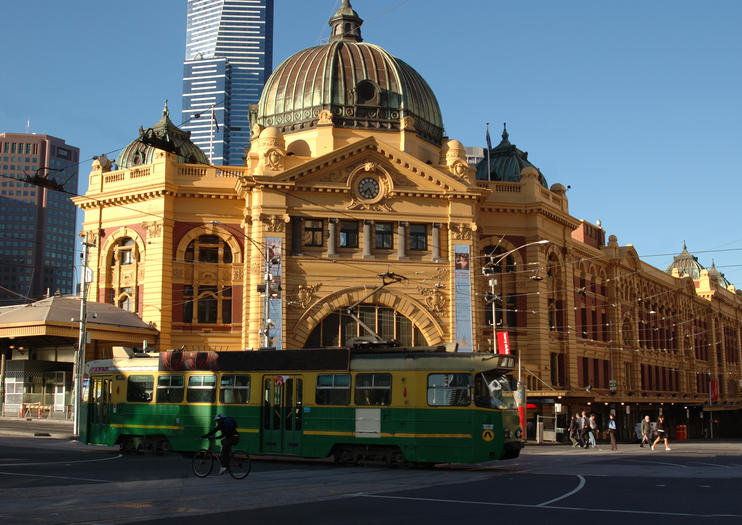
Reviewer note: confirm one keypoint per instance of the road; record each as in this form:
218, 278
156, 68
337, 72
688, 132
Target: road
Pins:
49, 480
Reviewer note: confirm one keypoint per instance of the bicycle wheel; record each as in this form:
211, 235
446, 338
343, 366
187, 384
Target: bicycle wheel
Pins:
240, 465
202, 463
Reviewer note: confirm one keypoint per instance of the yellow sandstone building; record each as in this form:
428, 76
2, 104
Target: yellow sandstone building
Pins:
351, 183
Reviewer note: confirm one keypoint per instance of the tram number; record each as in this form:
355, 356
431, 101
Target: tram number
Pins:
488, 435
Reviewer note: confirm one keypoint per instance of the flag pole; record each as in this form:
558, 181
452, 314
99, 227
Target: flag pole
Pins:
489, 147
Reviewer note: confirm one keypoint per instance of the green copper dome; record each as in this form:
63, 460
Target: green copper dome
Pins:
505, 163
360, 84
162, 136
686, 264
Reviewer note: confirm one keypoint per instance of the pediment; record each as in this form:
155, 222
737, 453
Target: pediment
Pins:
397, 172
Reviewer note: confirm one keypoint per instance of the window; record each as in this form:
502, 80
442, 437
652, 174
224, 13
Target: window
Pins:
312, 232
373, 389
449, 389
348, 234
384, 236
418, 237
333, 389
208, 249
170, 389
139, 388
201, 389
207, 304
234, 389
125, 251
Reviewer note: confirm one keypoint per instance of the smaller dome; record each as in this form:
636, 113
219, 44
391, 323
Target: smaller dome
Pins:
164, 136
686, 264
718, 277
505, 163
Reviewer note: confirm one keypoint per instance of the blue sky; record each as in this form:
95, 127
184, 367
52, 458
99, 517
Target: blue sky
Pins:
635, 105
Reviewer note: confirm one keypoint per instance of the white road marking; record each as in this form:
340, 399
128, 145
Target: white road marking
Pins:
540, 506
710, 464
59, 462
568, 494
53, 477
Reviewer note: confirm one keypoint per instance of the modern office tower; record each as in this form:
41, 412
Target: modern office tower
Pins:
37, 223
229, 56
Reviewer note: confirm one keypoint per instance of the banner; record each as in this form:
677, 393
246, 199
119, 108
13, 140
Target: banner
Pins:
274, 291
503, 343
463, 308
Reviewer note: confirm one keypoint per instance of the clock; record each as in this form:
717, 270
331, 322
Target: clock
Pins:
368, 188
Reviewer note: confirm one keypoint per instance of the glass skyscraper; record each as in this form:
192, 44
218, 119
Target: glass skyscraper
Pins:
229, 56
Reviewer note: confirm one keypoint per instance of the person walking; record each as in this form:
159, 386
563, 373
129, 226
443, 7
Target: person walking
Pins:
661, 434
612, 431
646, 428
573, 430
593, 430
584, 430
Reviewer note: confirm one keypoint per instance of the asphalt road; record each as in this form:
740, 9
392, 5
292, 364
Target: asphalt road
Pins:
51, 480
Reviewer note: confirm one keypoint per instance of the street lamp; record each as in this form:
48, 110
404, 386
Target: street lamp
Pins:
493, 282
265, 288
79, 364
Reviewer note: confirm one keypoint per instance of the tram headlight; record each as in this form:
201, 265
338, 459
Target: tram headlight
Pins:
507, 433
518, 433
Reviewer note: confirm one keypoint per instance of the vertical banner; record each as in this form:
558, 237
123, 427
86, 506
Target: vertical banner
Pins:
275, 310
503, 343
462, 285
714, 390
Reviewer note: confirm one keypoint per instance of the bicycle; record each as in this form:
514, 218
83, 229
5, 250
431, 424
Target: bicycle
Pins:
204, 459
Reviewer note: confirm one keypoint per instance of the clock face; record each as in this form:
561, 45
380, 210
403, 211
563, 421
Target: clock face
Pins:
368, 188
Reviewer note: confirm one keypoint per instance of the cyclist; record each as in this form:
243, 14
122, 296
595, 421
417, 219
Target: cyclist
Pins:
228, 427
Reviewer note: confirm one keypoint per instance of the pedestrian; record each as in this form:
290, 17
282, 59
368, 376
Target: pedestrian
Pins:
593, 430
573, 430
584, 430
661, 434
612, 431
646, 429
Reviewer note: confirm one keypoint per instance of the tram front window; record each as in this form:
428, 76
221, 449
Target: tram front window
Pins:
493, 390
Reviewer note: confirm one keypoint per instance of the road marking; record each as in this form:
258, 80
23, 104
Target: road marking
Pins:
660, 485
541, 506
568, 494
59, 462
658, 462
710, 464
54, 477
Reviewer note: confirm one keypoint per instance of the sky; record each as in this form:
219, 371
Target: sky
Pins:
635, 106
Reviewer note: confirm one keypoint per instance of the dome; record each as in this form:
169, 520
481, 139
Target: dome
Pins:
686, 264
718, 277
360, 84
505, 163
162, 136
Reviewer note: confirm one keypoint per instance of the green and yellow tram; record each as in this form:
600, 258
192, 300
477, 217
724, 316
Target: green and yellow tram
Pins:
389, 406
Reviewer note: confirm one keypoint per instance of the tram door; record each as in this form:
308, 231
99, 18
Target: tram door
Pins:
99, 409
283, 411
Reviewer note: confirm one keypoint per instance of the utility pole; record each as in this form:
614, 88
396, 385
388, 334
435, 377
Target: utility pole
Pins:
79, 365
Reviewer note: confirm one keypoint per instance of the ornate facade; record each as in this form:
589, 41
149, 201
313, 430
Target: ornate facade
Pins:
350, 177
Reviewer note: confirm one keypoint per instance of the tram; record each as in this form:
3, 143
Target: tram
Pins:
391, 406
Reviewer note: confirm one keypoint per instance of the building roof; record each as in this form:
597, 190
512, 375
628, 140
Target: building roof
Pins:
505, 163
162, 136
360, 84
686, 264
718, 277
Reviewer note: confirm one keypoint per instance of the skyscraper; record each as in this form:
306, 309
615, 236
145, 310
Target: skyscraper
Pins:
229, 55
37, 223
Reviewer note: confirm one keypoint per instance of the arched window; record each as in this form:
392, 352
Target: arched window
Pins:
125, 252
122, 274
207, 295
338, 328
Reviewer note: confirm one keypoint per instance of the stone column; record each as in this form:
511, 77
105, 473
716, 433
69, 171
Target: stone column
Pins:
402, 240
367, 237
332, 233
436, 242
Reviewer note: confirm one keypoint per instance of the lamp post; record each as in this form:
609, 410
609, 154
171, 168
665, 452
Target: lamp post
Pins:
79, 364
493, 282
268, 324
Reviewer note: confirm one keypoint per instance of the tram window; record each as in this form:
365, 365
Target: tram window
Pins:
170, 389
373, 389
333, 389
139, 389
234, 389
201, 389
449, 389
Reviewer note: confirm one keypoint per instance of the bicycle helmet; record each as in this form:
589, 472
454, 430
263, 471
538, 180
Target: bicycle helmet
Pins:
218, 417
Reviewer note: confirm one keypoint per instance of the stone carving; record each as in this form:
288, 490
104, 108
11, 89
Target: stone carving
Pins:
305, 295
461, 232
275, 223
236, 273
325, 117
274, 159
407, 123
102, 163
434, 299
356, 204
461, 169
153, 229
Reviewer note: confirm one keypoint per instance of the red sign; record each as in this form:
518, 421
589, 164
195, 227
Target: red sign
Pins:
503, 343
714, 390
